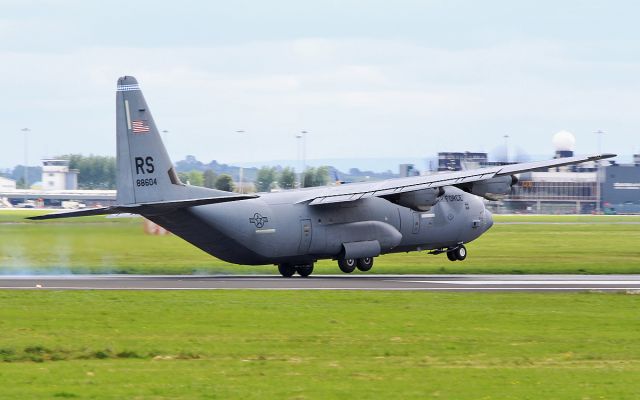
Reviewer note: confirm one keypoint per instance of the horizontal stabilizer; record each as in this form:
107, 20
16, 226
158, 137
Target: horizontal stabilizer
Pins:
78, 213
145, 208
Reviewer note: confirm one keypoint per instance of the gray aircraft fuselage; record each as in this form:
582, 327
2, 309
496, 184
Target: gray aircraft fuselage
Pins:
274, 229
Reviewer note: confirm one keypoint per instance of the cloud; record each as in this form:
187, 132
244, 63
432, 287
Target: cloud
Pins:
353, 94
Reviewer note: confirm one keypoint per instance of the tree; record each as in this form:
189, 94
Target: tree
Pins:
95, 172
224, 182
184, 177
195, 178
34, 174
287, 178
321, 177
265, 178
20, 184
315, 177
209, 179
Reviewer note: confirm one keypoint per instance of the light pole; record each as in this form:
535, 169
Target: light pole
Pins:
506, 148
302, 136
26, 160
241, 172
599, 134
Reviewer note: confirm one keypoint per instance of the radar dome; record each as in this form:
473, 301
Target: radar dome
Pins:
564, 141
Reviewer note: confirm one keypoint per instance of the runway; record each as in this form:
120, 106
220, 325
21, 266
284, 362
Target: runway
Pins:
454, 283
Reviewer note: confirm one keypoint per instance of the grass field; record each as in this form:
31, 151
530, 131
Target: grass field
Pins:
318, 345
516, 244
325, 344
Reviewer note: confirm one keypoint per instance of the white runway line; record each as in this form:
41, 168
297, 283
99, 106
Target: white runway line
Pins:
419, 289
528, 282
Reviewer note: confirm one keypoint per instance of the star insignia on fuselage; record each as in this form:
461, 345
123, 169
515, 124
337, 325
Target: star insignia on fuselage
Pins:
258, 220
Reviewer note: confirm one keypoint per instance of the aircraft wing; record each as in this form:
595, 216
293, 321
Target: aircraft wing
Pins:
145, 208
356, 191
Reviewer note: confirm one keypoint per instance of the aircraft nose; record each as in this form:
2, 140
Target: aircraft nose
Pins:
488, 219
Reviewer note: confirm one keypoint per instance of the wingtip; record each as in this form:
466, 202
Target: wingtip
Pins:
602, 156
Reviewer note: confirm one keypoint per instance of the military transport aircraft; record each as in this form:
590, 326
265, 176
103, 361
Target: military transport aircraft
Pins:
292, 229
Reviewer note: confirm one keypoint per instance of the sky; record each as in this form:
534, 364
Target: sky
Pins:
366, 79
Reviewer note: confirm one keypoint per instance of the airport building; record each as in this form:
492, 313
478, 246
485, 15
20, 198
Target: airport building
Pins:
7, 184
408, 170
56, 175
59, 187
578, 189
456, 161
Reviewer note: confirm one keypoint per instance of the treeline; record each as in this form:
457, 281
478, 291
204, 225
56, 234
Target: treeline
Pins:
99, 172
267, 179
95, 172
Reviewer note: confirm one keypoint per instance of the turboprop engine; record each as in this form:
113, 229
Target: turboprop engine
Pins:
492, 189
419, 200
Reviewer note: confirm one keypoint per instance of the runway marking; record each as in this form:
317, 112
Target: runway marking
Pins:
521, 282
455, 289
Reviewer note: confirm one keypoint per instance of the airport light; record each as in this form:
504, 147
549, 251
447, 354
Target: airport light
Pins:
26, 160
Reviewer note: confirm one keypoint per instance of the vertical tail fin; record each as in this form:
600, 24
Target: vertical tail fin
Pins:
145, 172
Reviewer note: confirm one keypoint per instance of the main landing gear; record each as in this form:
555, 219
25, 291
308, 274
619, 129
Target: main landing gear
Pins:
288, 270
457, 253
348, 265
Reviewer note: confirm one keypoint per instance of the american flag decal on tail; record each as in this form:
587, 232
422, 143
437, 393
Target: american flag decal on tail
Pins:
139, 126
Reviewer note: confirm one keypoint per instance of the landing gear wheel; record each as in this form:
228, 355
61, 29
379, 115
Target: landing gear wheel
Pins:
460, 253
364, 264
451, 256
347, 265
286, 270
304, 270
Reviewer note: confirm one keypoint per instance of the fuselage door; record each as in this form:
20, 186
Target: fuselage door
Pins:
416, 222
305, 238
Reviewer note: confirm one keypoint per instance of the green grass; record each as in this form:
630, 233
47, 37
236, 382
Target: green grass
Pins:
554, 244
318, 345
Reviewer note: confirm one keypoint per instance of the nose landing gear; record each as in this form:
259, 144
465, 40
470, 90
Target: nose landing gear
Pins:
457, 253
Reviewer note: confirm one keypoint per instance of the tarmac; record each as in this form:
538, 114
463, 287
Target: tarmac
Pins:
453, 283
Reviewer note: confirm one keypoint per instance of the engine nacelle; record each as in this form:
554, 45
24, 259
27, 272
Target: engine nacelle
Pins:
494, 188
419, 200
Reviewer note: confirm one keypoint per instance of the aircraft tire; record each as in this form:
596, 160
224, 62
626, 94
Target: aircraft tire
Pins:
304, 270
461, 253
347, 265
286, 270
451, 256
364, 264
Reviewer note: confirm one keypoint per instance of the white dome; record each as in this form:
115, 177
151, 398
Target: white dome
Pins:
564, 141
